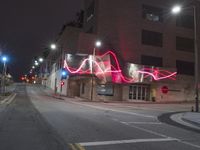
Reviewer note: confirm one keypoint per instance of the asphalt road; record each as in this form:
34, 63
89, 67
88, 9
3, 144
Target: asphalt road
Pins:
36, 120
23, 128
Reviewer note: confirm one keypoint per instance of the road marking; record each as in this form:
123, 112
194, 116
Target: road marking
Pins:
119, 111
146, 130
79, 146
127, 141
153, 109
153, 123
162, 135
72, 147
76, 146
9, 99
190, 144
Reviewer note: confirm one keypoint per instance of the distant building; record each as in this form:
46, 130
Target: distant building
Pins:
144, 35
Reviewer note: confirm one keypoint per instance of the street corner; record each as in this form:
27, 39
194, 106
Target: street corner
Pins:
185, 120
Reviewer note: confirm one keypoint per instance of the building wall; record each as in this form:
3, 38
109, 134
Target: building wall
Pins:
119, 25
87, 83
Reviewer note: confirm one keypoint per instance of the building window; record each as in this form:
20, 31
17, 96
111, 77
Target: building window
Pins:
151, 61
152, 13
105, 89
184, 44
152, 38
186, 21
90, 11
184, 67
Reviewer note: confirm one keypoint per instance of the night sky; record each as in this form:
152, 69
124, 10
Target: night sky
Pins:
27, 26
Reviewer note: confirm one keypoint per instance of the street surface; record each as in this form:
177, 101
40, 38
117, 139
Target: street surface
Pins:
35, 120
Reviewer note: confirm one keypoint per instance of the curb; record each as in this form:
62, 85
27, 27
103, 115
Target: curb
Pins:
191, 122
166, 118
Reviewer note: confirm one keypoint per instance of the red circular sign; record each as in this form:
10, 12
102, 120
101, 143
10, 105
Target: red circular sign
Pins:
164, 89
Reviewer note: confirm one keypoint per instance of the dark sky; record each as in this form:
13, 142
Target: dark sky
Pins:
27, 26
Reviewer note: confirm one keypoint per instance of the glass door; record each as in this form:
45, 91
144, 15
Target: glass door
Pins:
139, 92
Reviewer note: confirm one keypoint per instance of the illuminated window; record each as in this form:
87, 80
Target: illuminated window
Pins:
184, 67
151, 61
152, 13
184, 44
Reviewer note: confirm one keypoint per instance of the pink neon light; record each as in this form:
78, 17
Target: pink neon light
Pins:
117, 72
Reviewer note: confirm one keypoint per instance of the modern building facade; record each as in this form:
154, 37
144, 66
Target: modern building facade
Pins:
143, 35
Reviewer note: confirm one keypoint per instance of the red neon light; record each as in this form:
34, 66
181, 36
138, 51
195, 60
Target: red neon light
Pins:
116, 71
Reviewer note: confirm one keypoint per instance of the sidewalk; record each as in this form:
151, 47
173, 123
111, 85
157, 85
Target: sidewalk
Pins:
188, 119
192, 117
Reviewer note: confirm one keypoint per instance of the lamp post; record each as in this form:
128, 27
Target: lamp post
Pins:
175, 10
4, 59
97, 44
60, 48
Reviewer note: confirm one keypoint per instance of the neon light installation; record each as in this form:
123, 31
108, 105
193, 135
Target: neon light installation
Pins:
104, 68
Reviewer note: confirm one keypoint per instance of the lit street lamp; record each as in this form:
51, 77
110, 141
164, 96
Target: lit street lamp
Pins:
36, 63
175, 10
4, 59
97, 44
41, 59
53, 46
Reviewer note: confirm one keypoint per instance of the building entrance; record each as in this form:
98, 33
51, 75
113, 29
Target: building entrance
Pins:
139, 92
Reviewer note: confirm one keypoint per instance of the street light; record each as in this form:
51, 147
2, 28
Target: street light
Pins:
36, 63
177, 9
53, 46
41, 59
97, 44
4, 59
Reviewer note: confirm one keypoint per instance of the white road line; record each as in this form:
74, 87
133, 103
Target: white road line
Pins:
114, 110
11, 99
153, 109
190, 144
162, 135
153, 123
126, 141
8, 99
146, 130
